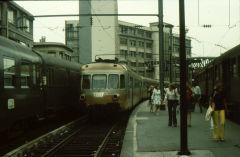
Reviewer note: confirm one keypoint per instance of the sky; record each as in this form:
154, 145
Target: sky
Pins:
222, 15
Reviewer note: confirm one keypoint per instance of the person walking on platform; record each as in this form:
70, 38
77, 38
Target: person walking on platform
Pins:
197, 96
219, 106
150, 91
171, 97
189, 101
156, 98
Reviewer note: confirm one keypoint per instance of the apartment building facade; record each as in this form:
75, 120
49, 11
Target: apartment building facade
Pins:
16, 23
55, 49
139, 49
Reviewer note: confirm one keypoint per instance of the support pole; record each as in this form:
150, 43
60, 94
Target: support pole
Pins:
170, 53
161, 52
183, 107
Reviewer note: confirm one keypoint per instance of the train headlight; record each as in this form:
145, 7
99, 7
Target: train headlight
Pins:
115, 97
82, 97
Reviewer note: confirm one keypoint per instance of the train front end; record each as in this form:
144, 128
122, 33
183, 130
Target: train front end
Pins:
103, 89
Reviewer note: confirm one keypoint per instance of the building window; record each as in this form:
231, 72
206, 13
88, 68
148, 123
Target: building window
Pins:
61, 54
135, 53
149, 34
149, 45
141, 64
132, 43
11, 16
70, 27
140, 43
131, 53
123, 29
26, 24
140, 32
123, 41
132, 31
133, 64
9, 72
148, 55
123, 53
70, 35
141, 54
52, 53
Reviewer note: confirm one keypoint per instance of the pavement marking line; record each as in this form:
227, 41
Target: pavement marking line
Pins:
134, 122
142, 118
135, 147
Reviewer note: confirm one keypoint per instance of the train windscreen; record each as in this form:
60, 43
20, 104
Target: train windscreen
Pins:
113, 81
99, 81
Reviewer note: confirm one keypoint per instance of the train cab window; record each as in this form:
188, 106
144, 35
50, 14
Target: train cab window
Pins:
122, 81
113, 81
99, 81
9, 73
25, 75
86, 81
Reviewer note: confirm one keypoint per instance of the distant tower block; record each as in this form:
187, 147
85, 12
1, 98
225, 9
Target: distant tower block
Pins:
98, 34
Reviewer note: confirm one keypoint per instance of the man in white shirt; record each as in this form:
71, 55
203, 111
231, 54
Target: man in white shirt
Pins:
171, 97
197, 96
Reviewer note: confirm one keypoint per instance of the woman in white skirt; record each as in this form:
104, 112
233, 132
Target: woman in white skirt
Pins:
156, 98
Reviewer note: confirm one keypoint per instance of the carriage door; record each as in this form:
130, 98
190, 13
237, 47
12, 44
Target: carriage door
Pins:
131, 90
226, 76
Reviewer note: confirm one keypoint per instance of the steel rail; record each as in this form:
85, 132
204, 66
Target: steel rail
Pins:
61, 144
104, 142
28, 147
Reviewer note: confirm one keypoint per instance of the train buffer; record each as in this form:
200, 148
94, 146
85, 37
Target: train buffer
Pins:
148, 135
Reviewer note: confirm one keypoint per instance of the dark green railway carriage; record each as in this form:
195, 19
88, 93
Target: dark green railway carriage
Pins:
224, 69
34, 85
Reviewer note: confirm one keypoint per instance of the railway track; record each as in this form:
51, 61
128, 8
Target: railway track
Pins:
76, 139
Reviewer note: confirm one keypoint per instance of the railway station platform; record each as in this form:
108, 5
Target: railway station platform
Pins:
148, 135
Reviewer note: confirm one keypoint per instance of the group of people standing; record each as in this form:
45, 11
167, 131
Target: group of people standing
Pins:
171, 98
193, 96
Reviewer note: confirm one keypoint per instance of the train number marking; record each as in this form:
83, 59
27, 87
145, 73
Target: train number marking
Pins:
98, 94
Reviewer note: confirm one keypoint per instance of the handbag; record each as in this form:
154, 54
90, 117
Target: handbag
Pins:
208, 113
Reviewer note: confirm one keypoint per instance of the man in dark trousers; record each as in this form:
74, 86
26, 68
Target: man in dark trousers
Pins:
197, 96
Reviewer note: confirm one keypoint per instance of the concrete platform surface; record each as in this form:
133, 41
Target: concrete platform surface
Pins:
148, 135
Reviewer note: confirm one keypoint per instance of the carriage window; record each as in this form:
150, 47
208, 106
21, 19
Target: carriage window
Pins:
220, 72
113, 81
122, 81
238, 65
25, 75
86, 82
9, 72
234, 67
99, 81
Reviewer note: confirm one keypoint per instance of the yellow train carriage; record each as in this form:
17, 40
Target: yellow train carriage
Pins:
108, 87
